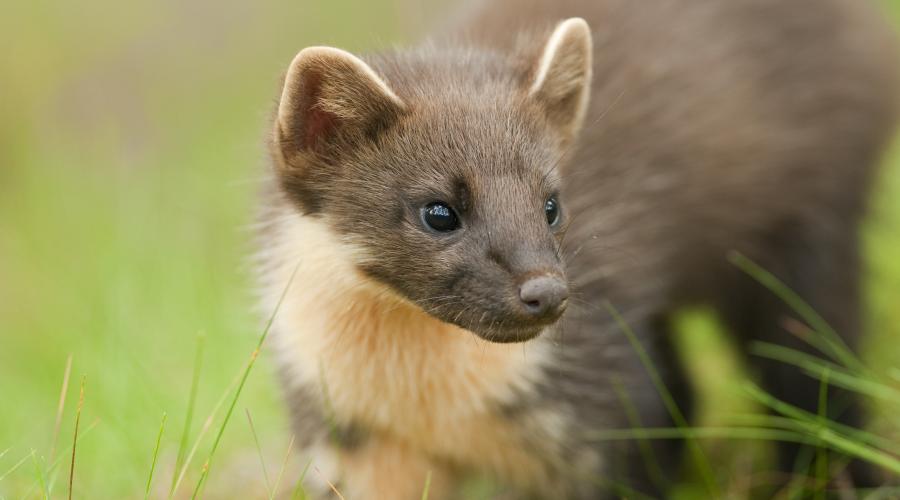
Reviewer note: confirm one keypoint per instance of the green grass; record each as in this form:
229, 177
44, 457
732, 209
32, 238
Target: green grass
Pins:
130, 148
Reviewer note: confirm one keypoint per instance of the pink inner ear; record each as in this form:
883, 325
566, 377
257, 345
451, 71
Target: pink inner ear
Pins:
317, 123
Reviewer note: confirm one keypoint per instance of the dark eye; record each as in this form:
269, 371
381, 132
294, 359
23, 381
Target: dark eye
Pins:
440, 217
551, 210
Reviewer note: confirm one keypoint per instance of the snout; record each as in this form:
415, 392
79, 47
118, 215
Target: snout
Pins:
543, 298
535, 301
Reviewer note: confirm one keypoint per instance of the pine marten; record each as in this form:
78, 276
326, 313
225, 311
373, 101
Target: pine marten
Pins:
456, 215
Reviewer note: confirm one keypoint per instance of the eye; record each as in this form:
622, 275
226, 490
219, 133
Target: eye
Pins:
440, 217
551, 210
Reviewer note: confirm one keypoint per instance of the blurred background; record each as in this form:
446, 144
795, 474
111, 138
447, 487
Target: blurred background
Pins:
131, 145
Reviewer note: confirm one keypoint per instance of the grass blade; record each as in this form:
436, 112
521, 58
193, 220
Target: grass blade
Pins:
207, 424
644, 447
816, 367
855, 449
827, 340
821, 456
262, 460
60, 406
796, 424
262, 338
725, 432
798, 419
299, 491
192, 401
330, 484
75, 436
55, 464
14, 467
828, 432
427, 486
40, 476
159, 436
699, 457
287, 456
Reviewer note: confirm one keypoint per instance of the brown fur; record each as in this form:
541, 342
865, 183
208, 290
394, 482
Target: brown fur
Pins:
749, 125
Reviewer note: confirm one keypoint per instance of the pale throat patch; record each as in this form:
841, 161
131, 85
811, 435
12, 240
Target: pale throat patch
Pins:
383, 362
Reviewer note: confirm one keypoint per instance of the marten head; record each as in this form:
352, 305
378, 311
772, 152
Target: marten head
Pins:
442, 170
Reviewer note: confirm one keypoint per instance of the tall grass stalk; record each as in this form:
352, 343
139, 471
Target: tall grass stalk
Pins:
52, 469
827, 432
189, 414
644, 446
45, 490
255, 354
207, 425
427, 487
699, 457
796, 424
821, 455
60, 407
827, 340
694, 433
299, 491
287, 456
798, 418
14, 467
262, 460
837, 375
159, 436
330, 484
75, 435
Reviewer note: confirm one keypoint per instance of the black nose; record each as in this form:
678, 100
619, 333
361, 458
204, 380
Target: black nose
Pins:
544, 296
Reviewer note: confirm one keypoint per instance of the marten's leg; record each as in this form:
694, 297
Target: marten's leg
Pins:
820, 265
611, 389
668, 454
378, 469
382, 468
358, 464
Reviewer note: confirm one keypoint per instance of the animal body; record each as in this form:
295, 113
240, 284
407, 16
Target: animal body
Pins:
461, 218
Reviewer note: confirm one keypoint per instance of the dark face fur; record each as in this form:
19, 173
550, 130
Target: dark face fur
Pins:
448, 181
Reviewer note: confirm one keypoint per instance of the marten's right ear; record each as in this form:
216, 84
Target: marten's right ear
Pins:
330, 94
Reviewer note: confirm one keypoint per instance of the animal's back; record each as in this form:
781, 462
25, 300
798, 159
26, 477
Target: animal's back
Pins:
711, 126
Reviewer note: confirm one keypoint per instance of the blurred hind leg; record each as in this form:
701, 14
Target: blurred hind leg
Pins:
655, 465
821, 265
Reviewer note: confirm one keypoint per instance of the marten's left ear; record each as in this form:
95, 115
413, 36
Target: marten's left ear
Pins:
562, 76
